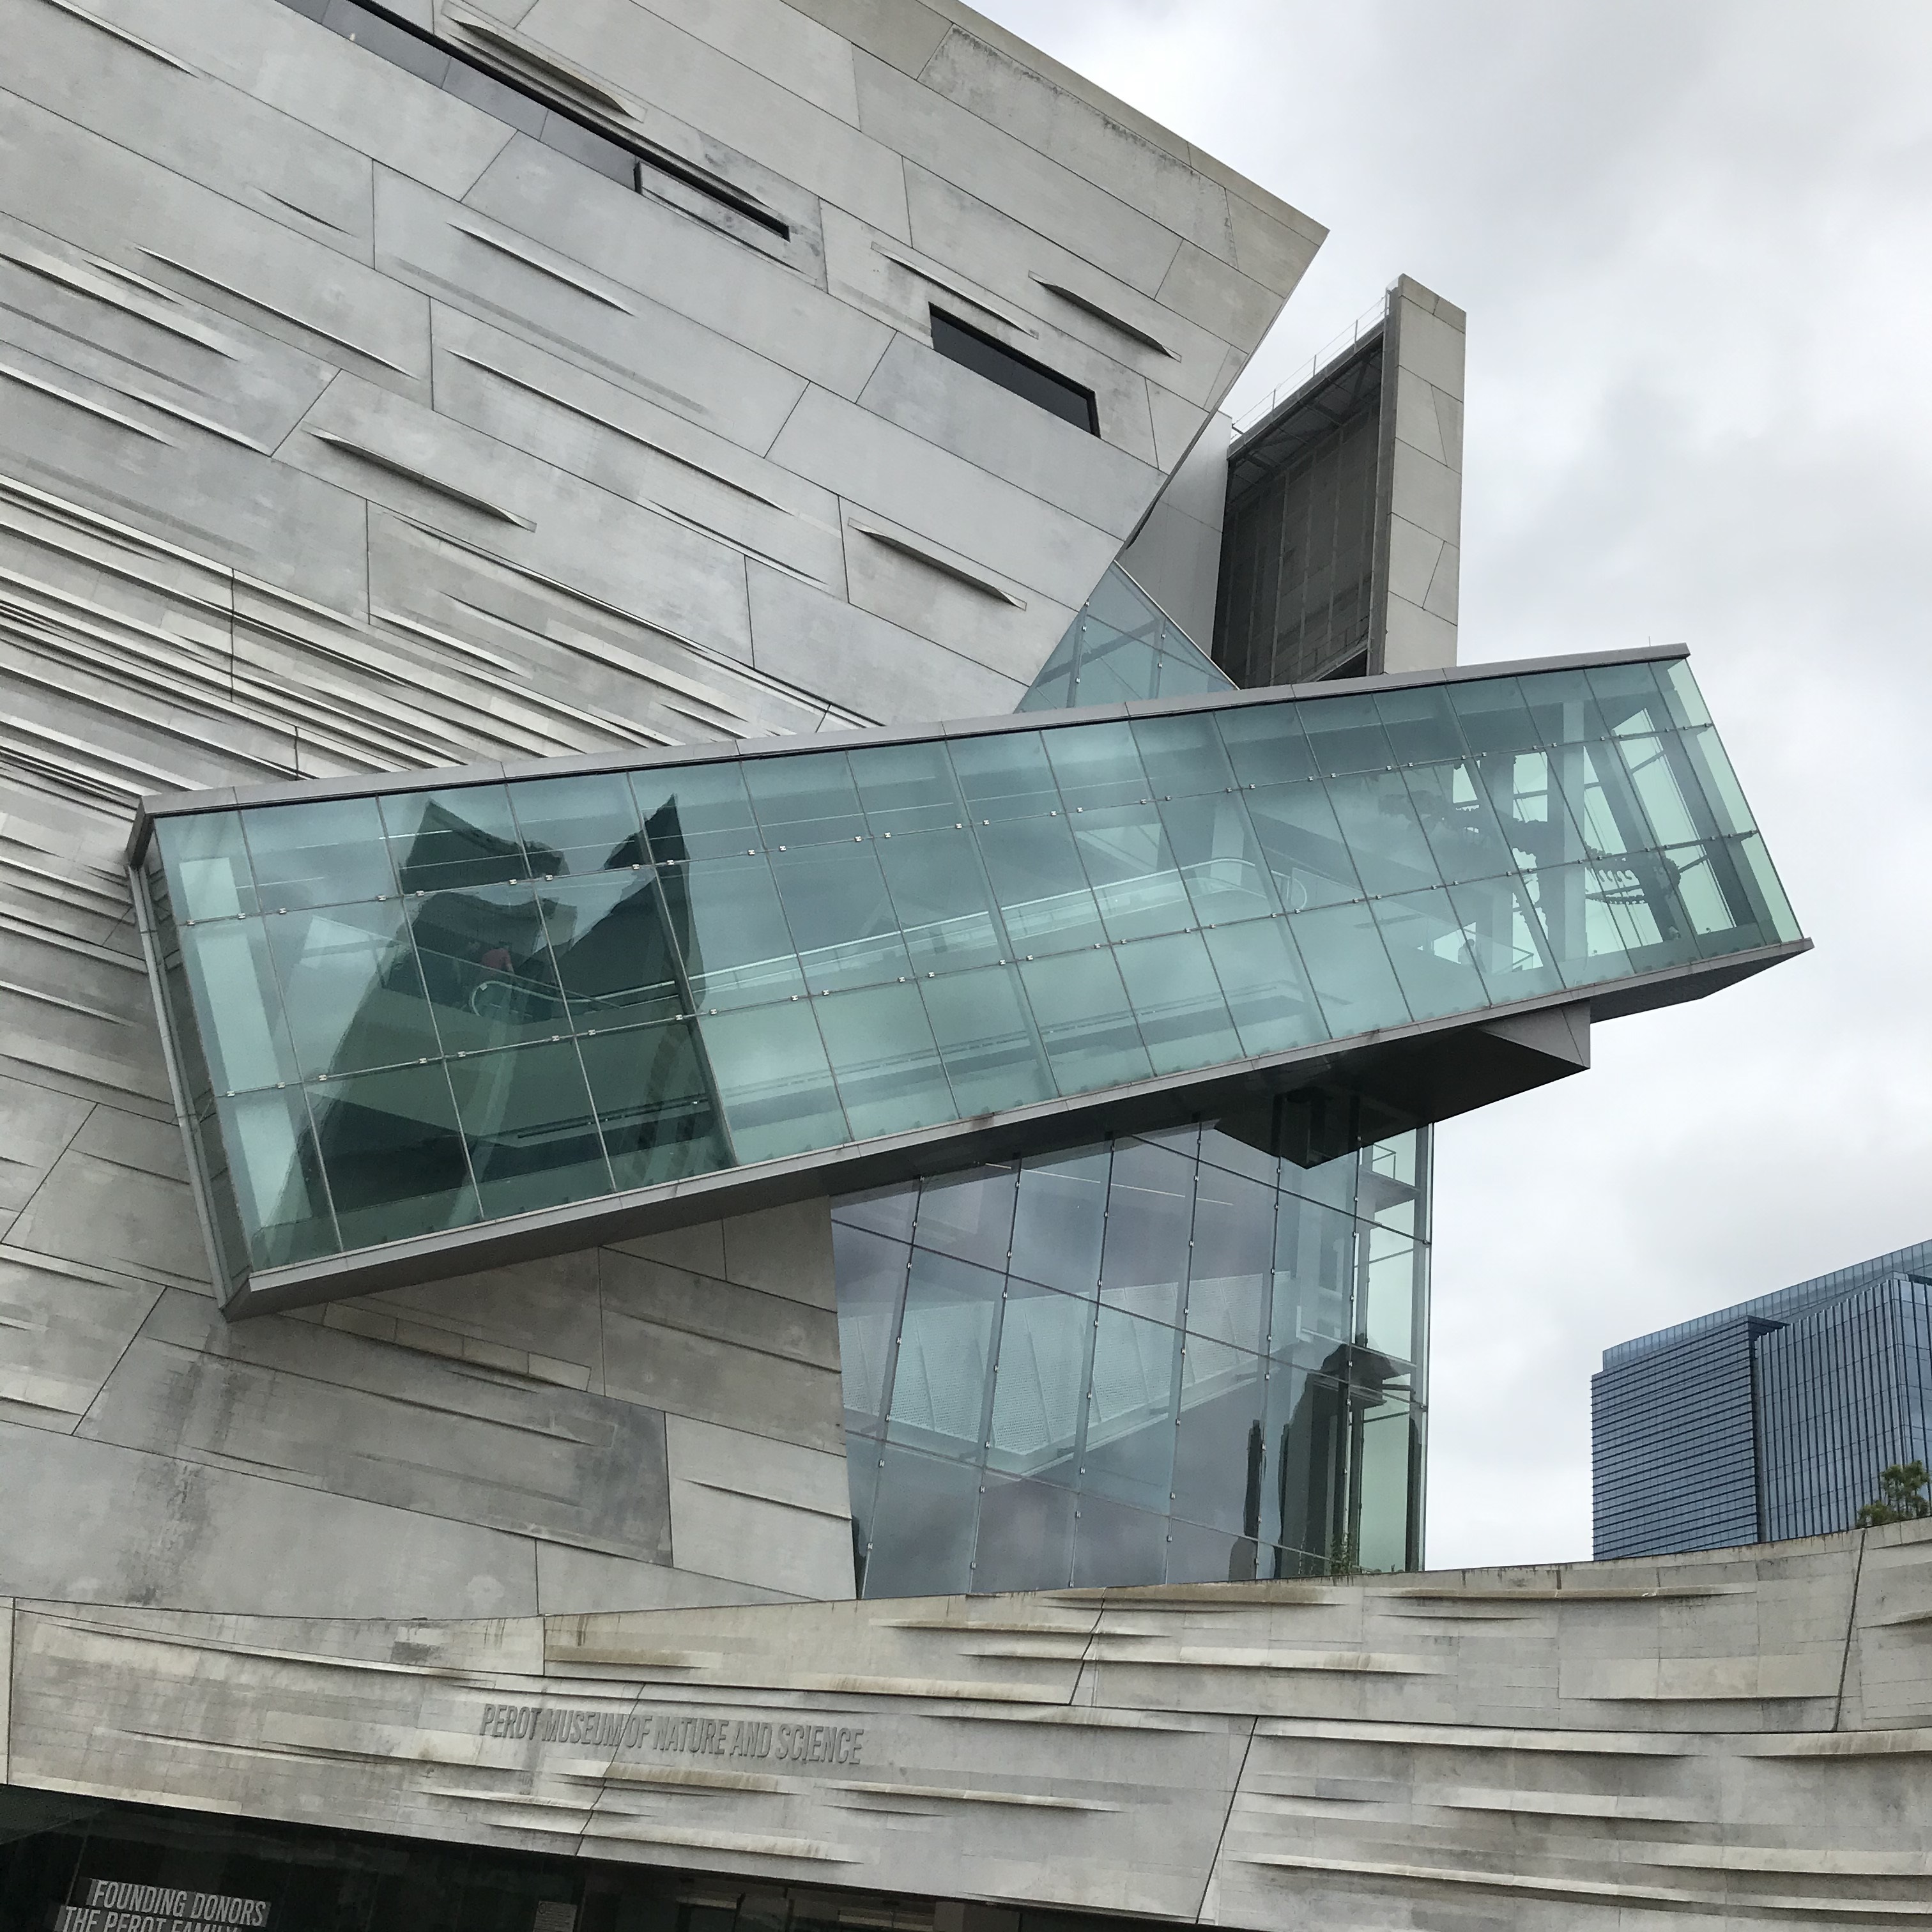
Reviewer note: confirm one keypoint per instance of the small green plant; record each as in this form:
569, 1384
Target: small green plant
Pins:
1901, 1496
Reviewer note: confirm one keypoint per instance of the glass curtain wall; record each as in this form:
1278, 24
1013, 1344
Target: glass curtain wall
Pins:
400, 1013
1122, 647
1165, 1358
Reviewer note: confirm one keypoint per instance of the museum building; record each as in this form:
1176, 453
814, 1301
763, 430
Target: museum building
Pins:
728, 951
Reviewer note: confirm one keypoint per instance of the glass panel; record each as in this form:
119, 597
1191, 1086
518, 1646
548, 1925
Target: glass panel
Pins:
579, 825
969, 1216
1705, 752
885, 1061
445, 841
986, 1040
941, 901
1266, 745
1379, 825
1532, 816
942, 1385
1296, 826
656, 1106
1232, 1260
1183, 1019
1026, 1537
696, 812
1385, 1458
1456, 818
1114, 1545
610, 939
908, 788
206, 860
1492, 714
1220, 859
1346, 735
526, 1114
1668, 818
1637, 892
732, 930
1004, 775
871, 1271
884, 1210
1421, 725
1564, 706
1349, 970
1182, 755
394, 1155
1386, 1320
1601, 799
233, 984
486, 967
1313, 1313
1626, 696
806, 799
276, 1175
842, 920
772, 1077
1040, 1391
1129, 1452
1150, 1225
1198, 1555
355, 995
1499, 920
1306, 1505
1682, 700
922, 1527
1266, 990
1575, 903
1096, 766
1218, 1455
1135, 881
1085, 1023
1756, 862
1061, 1220
326, 853
1041, 886
1432, 956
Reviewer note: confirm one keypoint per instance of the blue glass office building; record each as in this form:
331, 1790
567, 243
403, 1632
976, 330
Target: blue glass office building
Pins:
1770, 1420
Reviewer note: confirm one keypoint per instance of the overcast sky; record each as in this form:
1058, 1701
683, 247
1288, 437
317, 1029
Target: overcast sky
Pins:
1692, 240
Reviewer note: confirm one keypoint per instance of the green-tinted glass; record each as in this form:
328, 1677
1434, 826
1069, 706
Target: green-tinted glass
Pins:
1045, 903
229, 975
574, 825
885, 1060
804, 800
696, 812
1136, 882
354, 993
1220, 859
527, 1117
1128, 1454
1296, 828
1085, 1022
1178, 1001
1266, 745
731, 927
445, 841
1182, 754
1349, 970
1097, 765
941, 901
774, 1081
1004, 775
610, 936
276, 1173
1266, 990
1380, 828
1453, 810
842, 920
986, 1038
486, 967
1346, 735
394, 1155
907, 787
205, 860
326, 853
1421, 725
656, 1103
1433, 957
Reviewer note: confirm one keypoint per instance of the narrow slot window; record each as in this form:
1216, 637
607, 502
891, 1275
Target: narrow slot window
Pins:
1046, 388
512, 101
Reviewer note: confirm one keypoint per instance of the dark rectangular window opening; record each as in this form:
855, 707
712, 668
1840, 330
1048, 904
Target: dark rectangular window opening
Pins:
958, 342
508, 99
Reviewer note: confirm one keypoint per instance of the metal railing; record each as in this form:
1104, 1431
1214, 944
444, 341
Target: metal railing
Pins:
1337, 346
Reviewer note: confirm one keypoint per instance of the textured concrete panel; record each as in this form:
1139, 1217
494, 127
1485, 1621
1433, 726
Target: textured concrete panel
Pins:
570, 1581
1397, 1751
36, 1123
464, 1440
93, 1522
761, 1512
785, 1251
63, 1328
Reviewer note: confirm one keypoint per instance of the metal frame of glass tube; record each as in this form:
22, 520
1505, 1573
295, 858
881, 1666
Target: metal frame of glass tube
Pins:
422, 1023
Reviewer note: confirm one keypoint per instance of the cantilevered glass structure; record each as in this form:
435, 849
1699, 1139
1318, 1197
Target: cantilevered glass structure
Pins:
436, 1020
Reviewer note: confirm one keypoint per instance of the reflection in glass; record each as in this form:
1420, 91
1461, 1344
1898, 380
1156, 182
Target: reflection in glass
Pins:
353, 993
657, 1106
438, 840
277, 1175
394, 1153
1038, 1391
580, 825
939, 1386
533, 1140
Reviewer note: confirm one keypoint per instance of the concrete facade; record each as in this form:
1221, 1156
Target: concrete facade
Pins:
348, 429
1734, 1739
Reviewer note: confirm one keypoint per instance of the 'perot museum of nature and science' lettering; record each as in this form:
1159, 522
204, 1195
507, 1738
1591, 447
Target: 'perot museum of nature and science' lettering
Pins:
729, 951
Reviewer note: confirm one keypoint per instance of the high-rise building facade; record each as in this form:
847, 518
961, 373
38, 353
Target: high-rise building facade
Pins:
648, 974
1771, 1420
